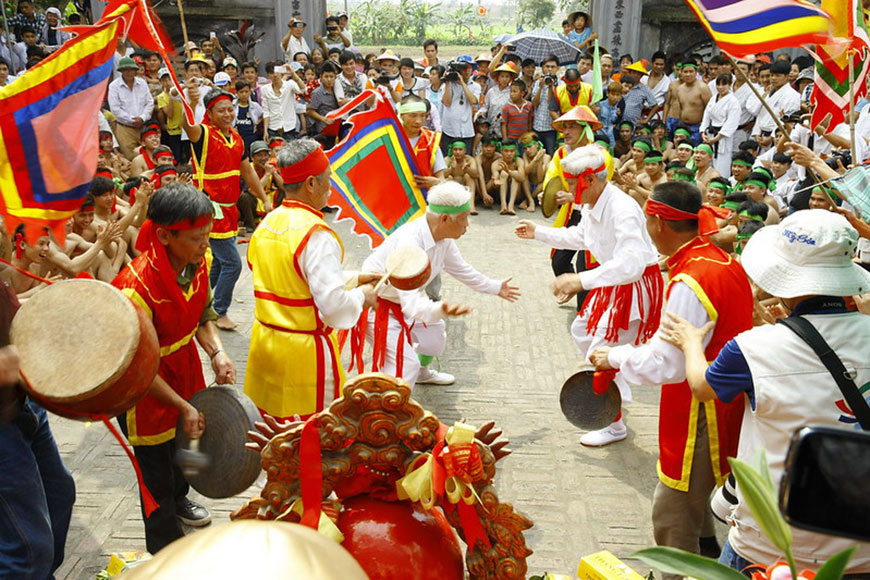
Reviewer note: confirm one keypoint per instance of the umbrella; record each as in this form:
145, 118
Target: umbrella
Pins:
501, 38
540, 43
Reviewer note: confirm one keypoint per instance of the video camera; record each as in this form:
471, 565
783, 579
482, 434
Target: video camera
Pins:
454, 69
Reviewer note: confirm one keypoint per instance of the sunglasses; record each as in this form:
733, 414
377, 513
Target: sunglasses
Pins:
299, 25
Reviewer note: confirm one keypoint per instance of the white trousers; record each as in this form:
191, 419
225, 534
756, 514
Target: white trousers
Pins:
588, 342
428, 339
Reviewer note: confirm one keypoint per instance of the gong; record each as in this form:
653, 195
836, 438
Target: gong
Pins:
583, 408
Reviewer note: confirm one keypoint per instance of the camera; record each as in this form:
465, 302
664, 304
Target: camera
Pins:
385, 80
454, 69
845, 157
332, 28
550, 79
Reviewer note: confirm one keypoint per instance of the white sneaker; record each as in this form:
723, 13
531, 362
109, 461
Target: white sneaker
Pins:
429, 377
610, 434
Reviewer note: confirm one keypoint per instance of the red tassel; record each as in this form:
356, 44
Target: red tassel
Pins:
19, 243
311, 470
601, 380
149, 504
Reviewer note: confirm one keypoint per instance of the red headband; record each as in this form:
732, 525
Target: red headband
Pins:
104, 173
217, 100
582, 184
161, 154
315, 163
148, 231
706, 216
150, 129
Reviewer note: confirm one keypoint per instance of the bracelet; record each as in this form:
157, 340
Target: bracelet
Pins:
215, 353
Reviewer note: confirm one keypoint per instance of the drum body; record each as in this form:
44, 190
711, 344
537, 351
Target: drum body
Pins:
409, 268
85, 349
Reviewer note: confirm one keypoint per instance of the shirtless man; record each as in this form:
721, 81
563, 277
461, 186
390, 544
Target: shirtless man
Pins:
704, 171
26, 258
640, 186
692, 97
107, 209
756, 186
633, 166
145, 161
463, 168
508, 173
112, 159
537, 161
671, 109
488, 147
79, 256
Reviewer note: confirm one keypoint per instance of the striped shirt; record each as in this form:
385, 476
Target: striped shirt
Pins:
517, 119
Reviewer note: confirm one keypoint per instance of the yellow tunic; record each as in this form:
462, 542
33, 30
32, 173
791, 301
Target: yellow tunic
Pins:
291, 348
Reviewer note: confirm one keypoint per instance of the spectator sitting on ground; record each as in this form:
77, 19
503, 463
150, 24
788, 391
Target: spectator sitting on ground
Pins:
508, 173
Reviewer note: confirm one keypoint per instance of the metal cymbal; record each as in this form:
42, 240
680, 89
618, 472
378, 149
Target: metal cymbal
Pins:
583, 408
231, 467
548, 201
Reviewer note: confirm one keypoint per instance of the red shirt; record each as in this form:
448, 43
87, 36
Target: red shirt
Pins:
517, 119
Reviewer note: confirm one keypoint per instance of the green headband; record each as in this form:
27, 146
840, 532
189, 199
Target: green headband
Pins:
705, 148
686, 146
414, 107
732, 205
646, 130
450, 209
741, 162
683, 132
642, 145
655, 159
719, 185
752, 216
756, 183
626, 124
509, 146
458, 145
681, 177
743, 236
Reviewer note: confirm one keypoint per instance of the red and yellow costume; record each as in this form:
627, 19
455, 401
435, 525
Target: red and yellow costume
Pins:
567, 101
150, 282
425, 151
287, 326
722, 287
216, 172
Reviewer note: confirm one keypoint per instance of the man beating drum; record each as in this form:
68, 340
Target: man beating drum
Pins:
169, 280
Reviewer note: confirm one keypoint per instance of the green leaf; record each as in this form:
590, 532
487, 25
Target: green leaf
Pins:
760, 497
676, 561
834, 568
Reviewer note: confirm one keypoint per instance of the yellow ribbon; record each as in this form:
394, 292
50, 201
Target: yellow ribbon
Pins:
325, 526
417, 483
218, 212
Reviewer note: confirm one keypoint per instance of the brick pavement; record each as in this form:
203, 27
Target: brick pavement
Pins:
510, 361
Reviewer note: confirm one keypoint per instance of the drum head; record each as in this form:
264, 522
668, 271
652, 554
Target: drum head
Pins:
232, 467
75, 338
548, 202
408, 267
583, 408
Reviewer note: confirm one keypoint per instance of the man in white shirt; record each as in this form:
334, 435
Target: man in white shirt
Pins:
657, 81
131, 103
293, 42
408, 329
625, 297
459, 102
279, 101
783, 100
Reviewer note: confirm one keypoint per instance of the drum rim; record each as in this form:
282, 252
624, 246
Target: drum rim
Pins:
136, 333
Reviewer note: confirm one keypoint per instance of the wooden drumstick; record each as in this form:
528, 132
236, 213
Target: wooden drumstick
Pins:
387, 275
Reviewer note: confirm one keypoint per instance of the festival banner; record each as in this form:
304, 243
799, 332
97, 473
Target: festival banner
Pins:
831, 86
373, 172
744, 27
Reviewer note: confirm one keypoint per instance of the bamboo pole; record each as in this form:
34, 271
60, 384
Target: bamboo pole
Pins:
183, 29
850, 55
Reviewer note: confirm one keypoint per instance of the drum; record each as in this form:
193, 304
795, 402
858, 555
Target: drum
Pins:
85, 349
548, 201
231, 468
583, 408
408, 268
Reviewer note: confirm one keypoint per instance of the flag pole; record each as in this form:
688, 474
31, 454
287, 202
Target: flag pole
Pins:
8, 38
850, 55
183, 29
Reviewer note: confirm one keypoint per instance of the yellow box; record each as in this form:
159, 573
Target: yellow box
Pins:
605, 566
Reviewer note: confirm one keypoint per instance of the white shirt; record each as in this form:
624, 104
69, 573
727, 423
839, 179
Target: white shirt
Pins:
126, 103
785, 100
614, 230
443, 256
280, 109
722, 112
321, 266
294, 46
658, 362
749, 103
456, 119
660, 91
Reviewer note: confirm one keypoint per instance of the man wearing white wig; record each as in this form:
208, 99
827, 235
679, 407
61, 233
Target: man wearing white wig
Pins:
407, 330
625, 298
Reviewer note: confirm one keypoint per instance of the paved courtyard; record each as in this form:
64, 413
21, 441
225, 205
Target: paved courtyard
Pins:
510, 361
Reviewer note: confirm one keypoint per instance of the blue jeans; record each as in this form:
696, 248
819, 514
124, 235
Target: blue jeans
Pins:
734, 560
225, 270
37, 494
548, 138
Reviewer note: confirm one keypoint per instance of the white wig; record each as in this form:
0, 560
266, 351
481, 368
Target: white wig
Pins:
586, 157
449, 193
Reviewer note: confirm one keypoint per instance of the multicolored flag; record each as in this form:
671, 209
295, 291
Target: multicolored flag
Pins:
48, 128
744, 27
831, 86
373, 172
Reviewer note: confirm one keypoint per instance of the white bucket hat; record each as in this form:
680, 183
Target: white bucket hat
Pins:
808, 253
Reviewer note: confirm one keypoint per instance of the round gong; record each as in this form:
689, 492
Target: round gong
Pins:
583, 408
398, 539
548, 201
229, 415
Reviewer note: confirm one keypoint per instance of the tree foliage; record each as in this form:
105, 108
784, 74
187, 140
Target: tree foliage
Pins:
535, 13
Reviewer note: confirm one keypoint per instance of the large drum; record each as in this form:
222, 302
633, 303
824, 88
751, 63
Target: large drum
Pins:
85, 349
